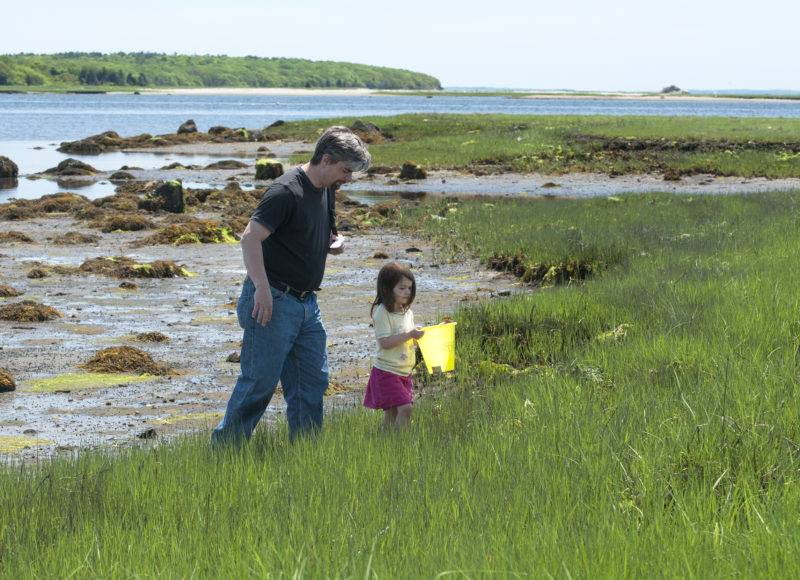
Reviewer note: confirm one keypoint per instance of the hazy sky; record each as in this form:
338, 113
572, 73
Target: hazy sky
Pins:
627, 45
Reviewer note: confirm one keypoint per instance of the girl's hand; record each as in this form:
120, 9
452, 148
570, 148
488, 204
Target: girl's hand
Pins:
416, 333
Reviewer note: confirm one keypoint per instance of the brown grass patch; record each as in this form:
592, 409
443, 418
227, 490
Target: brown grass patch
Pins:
125, 359
28, 311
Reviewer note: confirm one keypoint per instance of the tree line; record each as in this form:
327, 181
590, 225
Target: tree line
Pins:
148, 69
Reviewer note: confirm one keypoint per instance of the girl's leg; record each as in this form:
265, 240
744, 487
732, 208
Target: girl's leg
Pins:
403, 415
389, 418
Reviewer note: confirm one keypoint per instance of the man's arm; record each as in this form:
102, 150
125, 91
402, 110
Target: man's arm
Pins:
253, 256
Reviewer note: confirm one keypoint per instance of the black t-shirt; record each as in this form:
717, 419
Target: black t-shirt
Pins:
297, 215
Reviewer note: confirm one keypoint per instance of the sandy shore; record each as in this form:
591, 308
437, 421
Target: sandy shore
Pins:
267, 91
523, 94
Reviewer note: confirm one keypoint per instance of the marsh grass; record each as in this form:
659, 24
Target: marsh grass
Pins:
554, 144
641, 422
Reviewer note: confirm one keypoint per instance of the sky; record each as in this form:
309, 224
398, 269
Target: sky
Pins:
594, 45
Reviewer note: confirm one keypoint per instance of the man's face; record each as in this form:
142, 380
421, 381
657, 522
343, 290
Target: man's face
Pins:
337, 174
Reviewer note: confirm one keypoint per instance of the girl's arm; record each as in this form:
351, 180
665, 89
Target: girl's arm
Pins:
388, 342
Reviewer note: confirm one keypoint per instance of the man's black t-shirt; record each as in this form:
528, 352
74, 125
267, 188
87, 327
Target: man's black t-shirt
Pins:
297, 215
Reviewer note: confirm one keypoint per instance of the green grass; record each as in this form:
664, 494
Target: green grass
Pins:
642, 422
557, 144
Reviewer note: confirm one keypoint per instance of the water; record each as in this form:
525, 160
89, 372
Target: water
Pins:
33, 126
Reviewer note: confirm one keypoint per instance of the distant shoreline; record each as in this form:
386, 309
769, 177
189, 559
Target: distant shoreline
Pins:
365, 92
359, 92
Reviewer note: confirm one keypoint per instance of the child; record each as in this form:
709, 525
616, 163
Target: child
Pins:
389, 386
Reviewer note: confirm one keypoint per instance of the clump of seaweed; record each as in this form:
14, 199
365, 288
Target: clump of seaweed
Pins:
28, 311
157, 269
8, 291
37, 272
128, 285
105, 265
72, 238
192, 232
124, 267
123, 223
19, 209
61, 203
125, 359
15, 237
6, 381
151, 337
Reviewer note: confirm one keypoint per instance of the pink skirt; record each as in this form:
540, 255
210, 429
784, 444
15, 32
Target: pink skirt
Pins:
386, 390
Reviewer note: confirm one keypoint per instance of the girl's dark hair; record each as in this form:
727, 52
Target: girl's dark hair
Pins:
388, 277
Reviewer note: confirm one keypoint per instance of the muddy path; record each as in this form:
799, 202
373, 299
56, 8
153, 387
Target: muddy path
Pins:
57, 407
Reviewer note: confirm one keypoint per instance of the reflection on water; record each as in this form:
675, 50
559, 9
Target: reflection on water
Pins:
8, 182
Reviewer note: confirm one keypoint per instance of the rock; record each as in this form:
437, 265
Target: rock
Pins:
121, 176
148, 434
411, 170
233, 357
168, 196
8, 169
368, 132
7, 383
93, 145
226, 164
72, 167
188, 127
268, 169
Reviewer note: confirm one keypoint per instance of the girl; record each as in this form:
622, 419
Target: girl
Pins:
389, 386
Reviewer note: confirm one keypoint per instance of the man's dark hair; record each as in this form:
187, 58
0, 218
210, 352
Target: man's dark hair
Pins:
341, 144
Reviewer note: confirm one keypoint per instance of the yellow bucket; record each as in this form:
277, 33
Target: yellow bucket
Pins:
438, 346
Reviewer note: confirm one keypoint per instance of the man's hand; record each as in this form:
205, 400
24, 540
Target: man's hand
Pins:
336, 245
262, 305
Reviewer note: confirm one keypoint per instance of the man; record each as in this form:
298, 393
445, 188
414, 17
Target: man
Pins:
284, 248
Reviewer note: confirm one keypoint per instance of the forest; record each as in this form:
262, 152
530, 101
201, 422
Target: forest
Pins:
156, 70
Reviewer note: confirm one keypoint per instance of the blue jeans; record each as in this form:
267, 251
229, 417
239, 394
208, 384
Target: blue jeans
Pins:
292, 348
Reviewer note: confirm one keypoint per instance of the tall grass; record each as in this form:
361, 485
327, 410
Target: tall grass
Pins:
642, 422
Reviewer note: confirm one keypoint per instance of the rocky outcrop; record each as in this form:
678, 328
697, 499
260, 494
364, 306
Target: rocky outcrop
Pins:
168, 196
111, 141
268, 169
72, 167
187, 127
8, 169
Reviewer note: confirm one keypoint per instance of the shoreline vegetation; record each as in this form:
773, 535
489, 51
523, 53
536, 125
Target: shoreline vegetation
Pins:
95, 71
639, 392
